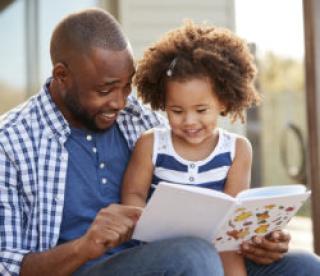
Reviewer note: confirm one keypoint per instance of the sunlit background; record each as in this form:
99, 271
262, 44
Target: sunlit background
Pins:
274, 29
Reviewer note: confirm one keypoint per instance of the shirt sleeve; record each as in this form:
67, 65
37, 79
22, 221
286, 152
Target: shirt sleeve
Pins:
137, 118
150, 118
11, 251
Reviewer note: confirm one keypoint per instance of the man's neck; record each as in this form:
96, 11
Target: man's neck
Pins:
57, 99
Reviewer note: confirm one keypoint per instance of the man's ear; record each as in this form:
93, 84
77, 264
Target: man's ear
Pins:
60, 73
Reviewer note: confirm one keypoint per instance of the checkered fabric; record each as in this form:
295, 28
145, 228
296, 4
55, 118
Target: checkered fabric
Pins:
33, 166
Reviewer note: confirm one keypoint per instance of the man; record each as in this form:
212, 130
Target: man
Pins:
62, 157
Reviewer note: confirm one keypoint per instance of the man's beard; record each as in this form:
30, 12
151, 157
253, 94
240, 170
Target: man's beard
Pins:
78, 112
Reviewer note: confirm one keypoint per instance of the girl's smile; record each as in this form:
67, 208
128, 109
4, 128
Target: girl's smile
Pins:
193, 110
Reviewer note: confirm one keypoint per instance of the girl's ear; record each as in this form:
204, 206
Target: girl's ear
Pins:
223, 110
223, 113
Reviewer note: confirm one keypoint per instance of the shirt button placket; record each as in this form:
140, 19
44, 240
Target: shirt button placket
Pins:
192, 172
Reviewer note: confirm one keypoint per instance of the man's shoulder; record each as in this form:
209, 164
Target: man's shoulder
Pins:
136, 118
136, 110
18, 119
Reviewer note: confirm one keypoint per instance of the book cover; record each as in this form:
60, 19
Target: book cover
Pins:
177, 210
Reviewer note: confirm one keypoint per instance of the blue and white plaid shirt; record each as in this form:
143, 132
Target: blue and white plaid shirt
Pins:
33, 167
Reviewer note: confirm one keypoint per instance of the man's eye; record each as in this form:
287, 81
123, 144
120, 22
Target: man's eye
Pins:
104, 91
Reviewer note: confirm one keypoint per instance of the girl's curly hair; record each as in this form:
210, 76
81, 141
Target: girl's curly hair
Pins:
200, 51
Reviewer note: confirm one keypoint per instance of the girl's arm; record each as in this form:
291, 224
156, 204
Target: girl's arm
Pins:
238, 179
138, 176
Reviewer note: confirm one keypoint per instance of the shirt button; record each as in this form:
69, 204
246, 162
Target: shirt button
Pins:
102, 165
89, 137
192, 165
104, 181
94, 149
58, 198
191, 178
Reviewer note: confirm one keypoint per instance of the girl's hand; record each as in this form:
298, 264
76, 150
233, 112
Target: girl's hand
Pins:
268, 249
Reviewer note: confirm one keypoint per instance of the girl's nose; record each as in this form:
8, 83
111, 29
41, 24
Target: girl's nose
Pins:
189, 118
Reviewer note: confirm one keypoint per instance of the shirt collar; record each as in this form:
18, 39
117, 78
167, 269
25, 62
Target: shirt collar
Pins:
57, 124
132, 107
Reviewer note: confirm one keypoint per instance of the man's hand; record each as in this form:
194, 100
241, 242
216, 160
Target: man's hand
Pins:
112, 226
266, 250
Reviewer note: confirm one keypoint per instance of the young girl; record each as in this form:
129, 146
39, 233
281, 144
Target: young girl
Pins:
194, 73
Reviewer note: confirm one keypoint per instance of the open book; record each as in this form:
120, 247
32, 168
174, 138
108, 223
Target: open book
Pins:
177, 210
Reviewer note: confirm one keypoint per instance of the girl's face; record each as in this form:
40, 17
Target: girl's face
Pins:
193, 110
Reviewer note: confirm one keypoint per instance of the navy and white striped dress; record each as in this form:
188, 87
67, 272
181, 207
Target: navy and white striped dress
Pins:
209, 173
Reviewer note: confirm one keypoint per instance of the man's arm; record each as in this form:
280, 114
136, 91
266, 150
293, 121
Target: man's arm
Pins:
112, 226
11, 217
61, 260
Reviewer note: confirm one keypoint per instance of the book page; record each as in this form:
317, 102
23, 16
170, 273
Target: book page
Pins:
179, 210
272, 191
258, 217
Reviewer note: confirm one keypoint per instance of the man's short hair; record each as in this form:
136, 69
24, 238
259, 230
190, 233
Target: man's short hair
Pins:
81, 31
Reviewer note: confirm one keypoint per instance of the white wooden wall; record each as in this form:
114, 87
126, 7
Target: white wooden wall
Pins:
145, 21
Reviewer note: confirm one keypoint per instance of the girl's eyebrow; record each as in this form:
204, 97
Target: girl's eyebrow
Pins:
197, 105
173, 105
202, 105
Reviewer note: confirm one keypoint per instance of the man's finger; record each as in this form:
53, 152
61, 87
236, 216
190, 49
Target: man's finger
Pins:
279, 235
259, 260
260, 255
129, 211
249, 249
271, 246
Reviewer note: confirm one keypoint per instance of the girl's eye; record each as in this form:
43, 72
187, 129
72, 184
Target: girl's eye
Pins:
176, 111
201, 110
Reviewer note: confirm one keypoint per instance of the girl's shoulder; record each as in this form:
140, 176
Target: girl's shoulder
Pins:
232, 136
236, 143
157, 133
150, 135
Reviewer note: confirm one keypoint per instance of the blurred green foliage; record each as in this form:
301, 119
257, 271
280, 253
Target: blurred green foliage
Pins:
281, 83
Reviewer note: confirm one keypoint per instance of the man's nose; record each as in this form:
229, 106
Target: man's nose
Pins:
118, 101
